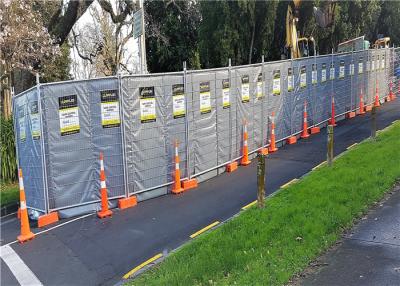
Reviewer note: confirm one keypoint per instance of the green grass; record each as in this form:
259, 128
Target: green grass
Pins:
9, 194
267, 247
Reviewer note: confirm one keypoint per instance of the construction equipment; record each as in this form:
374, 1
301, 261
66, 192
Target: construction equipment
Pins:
382, 43
297, 46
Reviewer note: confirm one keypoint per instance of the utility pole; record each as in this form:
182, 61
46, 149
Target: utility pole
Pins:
142, 41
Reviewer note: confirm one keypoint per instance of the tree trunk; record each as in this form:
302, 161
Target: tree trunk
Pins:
6, 97
252, 43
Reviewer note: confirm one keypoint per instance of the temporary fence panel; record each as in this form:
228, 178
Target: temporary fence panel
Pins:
136, 120
275, 101
28, 144
225, 106
203, 124
145, 136
175, 111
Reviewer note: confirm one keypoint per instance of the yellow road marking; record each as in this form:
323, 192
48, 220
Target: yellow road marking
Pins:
351, 146
249, 205
140, 266
204, 229
319, 165
289, 183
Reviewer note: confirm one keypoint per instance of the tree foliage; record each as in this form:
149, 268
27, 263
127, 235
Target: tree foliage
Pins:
240, 30
171, 34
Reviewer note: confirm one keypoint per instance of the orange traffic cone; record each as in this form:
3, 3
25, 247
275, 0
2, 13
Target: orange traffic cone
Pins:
272, 146
377, 103
26, 233
392, 96
245, 151
305, 134
177, 184
361, 110
332, 121
105, 211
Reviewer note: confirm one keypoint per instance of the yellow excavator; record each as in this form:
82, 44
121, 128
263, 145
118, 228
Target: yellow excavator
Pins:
382, 43
297, 46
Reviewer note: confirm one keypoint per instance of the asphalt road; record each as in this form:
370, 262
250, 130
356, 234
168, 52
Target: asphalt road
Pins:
90, 251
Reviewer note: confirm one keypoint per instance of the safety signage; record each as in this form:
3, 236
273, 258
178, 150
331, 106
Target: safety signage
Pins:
109, 108
259, 93
341, 69
290, 84
69, 114
21, 121
378, 63
147, 104
323, 73
276, 83
178, 101
303, 77
314, 79
245, 89
351, 69
373, 63
332, 72
225, 93
205, 97
35, 120
360, 66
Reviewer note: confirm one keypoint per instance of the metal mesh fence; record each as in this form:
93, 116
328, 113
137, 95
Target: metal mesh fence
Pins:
136, 120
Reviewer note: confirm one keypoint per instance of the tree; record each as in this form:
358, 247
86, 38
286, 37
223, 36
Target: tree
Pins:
389, 21
240, 30
171, 34
102, 44
23, 43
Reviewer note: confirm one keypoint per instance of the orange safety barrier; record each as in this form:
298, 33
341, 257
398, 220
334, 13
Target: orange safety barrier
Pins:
232, 166
47, 219
350, 114
305, 134
245, 149
361, 109
177, 188
105, 211
332, 120
272, 146
392, 96
377, 103
125, 203
189, 184
26, 233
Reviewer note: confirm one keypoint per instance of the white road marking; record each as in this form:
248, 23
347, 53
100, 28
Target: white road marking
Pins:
4, 222
20, 270
54, 227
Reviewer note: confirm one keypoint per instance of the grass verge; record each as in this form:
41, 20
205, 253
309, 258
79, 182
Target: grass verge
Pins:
9, 194
267, 247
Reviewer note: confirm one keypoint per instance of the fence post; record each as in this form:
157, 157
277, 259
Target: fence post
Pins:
330, 145
122, 128
263, 100
331, 80
230, 109
186, 121
373, 122
44, 169
261, 180
352, 70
